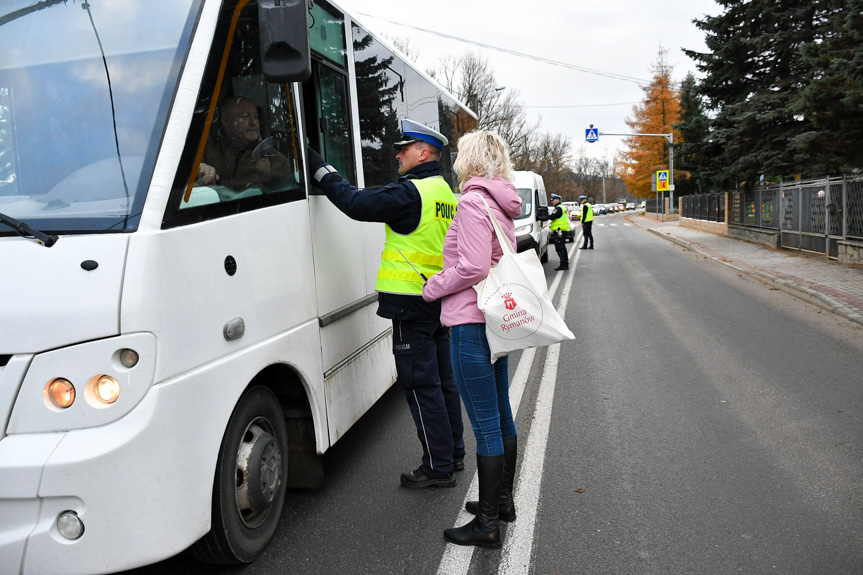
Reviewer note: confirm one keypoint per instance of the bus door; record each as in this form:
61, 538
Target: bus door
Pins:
234, 251
346, 252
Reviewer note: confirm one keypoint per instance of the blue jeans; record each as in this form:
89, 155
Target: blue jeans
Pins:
483, 386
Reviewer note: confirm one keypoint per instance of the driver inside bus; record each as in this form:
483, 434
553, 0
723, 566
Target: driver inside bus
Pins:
236, 157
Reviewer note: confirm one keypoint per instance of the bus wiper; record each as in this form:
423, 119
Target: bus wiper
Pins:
15, 14
28, 231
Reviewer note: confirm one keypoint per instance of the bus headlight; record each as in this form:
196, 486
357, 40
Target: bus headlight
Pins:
110, 375
104, 390
60, 392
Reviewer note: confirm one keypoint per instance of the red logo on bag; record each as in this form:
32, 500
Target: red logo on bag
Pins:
508, 301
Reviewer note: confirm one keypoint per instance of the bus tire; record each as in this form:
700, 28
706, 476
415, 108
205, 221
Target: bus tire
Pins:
250, 483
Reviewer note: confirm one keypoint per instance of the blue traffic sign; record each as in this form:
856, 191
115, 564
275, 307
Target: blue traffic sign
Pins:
591, 134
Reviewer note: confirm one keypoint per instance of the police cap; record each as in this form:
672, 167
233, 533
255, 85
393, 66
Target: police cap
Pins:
555, 197
415, 132
582, 197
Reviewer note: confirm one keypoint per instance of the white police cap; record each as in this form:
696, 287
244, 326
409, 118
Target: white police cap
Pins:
416, 132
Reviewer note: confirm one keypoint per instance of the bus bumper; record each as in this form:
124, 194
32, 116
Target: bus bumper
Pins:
90, 471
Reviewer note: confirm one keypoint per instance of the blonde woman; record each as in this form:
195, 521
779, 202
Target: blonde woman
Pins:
470, 249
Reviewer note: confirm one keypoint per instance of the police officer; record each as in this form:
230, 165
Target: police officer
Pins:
586, 222
560, 223
417, 211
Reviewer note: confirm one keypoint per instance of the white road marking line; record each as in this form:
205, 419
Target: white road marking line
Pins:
456, 559
518, 542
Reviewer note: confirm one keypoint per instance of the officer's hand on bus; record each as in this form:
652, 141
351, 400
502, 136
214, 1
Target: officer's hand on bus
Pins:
315, 159
315, 163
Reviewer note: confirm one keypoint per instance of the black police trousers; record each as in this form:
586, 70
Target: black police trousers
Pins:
424, 367
587, 228
560, 247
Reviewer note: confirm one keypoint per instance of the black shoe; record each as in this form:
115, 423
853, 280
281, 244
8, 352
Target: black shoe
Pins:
561, 268
458, 464
583, 248
590, 248
417, 479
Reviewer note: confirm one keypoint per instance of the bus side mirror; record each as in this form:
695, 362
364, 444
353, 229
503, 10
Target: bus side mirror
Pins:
284, 35
542, 212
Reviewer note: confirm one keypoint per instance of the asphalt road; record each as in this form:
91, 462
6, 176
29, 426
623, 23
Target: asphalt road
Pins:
699, 423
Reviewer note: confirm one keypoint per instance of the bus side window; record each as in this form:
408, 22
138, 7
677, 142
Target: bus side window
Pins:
325, 94
242, 151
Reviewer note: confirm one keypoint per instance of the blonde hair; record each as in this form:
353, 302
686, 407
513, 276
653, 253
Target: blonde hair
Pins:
482, 153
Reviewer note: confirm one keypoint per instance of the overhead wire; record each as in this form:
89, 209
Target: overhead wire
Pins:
535, 58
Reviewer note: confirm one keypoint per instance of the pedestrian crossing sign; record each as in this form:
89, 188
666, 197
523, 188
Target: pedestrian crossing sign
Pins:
661, 180
591, 134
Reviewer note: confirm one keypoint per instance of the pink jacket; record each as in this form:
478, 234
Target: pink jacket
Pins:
471, 248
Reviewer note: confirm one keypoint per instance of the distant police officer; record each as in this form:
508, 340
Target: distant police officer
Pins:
586, 222
417, 211
560, 223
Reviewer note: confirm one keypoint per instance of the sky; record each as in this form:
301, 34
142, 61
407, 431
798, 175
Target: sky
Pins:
591, 39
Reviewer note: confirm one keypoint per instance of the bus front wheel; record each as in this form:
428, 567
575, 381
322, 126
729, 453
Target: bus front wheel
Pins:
250, 482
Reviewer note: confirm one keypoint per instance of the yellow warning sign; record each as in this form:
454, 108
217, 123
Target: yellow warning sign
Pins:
661, 180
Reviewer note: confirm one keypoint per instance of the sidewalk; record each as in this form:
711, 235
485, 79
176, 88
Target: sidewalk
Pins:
827, 284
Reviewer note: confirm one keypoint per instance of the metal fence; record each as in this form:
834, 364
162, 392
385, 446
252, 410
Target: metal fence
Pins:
650, 206
708, 207
811, 215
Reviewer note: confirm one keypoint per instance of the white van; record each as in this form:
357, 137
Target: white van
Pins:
530, 232
177, 351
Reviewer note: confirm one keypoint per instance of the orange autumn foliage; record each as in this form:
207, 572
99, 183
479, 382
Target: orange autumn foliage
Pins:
654, 115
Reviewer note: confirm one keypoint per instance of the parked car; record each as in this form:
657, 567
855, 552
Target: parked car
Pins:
630, 205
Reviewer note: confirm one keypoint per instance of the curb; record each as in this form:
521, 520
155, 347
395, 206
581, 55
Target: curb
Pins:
801, 292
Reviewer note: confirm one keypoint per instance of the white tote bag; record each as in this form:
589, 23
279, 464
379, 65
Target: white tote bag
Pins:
514, 299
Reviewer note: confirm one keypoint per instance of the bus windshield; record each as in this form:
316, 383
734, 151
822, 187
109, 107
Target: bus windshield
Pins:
85, 88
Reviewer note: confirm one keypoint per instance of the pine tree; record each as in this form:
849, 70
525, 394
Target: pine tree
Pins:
754, 77
657, 114
379, 125
692, 155
833, 99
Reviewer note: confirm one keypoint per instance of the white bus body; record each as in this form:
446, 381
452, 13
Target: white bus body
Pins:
209, 332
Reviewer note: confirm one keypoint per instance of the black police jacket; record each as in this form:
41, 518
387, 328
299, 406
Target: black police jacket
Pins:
398, 205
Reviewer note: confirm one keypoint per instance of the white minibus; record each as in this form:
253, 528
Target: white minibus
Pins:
186, 325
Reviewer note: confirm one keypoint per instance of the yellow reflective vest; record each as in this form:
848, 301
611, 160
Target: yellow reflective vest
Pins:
589, 217
423, 247
561, 223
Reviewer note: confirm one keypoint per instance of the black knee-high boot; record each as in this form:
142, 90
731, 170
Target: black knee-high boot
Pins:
506, 508
483, 530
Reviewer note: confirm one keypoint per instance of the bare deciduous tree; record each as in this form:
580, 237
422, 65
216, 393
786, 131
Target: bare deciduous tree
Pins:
472, 80
405, 47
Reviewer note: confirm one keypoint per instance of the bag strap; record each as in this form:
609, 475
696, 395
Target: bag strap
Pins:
504, 242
